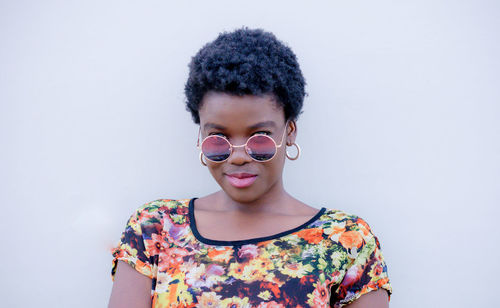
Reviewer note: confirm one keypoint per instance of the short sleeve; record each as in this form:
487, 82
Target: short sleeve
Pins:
132, 247
367, 272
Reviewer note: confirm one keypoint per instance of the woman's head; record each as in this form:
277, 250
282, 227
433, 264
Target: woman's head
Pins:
246, 62
236, 119
243, 84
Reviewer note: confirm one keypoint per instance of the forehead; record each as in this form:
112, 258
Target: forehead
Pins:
239, 111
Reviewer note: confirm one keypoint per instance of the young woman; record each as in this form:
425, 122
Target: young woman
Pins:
250, 244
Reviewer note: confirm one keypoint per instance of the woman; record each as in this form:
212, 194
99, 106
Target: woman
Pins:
251, 244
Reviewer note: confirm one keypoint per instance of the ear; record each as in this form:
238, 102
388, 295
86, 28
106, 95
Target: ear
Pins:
291, 132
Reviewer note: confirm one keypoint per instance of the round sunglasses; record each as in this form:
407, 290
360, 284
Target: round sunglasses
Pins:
259, 147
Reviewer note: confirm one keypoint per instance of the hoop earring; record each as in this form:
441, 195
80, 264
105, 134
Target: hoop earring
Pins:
201, 159
298, 152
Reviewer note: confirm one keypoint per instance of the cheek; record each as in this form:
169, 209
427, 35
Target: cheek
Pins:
215, 169
274, 168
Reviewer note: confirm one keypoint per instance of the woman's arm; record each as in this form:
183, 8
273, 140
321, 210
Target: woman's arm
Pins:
130, 288
373, 299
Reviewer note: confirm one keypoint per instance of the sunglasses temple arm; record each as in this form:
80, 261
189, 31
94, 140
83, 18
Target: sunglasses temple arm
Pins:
282, 137
198, 140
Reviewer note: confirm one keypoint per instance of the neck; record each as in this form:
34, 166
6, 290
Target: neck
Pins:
274, 200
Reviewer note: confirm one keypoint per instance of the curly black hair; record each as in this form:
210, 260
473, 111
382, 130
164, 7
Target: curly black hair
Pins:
246, 61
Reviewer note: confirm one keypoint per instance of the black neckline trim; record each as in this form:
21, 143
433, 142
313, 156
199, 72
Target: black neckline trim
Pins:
198, 236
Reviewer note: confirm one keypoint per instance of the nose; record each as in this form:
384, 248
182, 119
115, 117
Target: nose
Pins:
239, 156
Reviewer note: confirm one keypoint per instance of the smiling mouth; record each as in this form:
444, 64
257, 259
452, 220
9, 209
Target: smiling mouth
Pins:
241, 180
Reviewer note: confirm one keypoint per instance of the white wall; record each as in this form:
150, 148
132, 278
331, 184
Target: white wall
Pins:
401, 126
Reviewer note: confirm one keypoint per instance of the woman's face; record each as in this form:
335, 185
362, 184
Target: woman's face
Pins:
237, 118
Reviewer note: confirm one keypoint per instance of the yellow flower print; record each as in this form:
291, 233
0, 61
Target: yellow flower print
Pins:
322, 264
184, 296
265, 295
236, 270
208, 300
162, 282
336, 258
236, 302
265, 265
251, 273
339, 215
296, 269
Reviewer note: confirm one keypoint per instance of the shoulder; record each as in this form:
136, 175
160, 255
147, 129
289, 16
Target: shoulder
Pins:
350, 230
155, 212
350, 221
161, 207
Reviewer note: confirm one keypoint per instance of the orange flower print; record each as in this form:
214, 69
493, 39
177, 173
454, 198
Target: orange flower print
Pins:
275, 290
294, 270
320, 298
171, 258
351, 239
313, 236
155, 244
119, 253
220, 254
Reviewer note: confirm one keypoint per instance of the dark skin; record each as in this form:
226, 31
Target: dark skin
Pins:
242, 213
239, 213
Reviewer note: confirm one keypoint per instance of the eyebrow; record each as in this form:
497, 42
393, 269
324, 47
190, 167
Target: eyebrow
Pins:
254, 126
213, 125
263, 124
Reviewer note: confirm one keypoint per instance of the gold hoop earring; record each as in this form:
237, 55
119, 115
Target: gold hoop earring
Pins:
298, 152
201, 159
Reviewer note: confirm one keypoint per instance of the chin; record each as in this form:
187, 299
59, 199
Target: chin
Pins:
242, 195
248, 194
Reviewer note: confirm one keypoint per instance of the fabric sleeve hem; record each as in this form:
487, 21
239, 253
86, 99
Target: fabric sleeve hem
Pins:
138, 265
382, 284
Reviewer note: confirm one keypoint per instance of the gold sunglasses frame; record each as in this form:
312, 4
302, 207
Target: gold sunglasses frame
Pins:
231, 146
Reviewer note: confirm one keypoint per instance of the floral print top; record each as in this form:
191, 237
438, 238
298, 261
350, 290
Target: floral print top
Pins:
329, 261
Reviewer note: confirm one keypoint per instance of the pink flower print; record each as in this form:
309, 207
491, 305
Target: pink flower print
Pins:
353, 274
215, 269
321, 296
248, 252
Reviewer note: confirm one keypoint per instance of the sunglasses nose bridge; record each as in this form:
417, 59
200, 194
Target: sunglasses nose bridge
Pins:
235, 156
238, 146
234, 151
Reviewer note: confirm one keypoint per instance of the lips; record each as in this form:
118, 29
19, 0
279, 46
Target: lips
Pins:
241, 180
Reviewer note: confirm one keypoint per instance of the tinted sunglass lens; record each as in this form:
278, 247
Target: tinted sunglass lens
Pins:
216, 148
261, 147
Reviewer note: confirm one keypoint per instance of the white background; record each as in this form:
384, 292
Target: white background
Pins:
401, 127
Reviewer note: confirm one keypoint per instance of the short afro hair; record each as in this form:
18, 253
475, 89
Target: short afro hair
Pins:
246, 62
